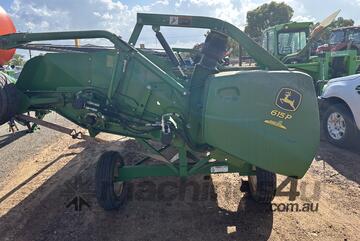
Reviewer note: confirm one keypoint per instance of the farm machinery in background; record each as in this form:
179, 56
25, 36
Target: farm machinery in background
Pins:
295, 45
344, 38
220, 119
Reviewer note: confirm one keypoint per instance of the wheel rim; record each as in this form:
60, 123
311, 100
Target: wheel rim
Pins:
336, 126
117, 186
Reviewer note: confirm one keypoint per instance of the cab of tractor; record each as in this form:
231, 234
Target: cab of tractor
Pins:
284, 39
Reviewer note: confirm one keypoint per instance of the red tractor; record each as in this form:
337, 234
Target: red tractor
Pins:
345, 38
341, 41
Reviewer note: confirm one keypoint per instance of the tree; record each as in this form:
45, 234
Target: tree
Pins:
17, 60
342, 22
267, 15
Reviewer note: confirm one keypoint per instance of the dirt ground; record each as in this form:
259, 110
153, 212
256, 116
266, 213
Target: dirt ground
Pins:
19, 142
35, 201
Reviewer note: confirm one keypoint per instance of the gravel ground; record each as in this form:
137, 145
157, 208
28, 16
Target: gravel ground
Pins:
21, 146
33, 202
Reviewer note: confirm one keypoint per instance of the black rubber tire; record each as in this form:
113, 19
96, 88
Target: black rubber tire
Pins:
262, 186
351, 136
9, 99
104, 181
3, 99
338, 67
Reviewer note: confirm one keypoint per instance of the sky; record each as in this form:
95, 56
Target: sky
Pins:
119, 16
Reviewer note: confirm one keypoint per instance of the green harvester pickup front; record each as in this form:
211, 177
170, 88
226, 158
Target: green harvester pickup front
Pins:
219, 119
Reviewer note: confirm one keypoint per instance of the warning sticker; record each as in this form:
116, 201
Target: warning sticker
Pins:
217, 169
180, 20
174, 20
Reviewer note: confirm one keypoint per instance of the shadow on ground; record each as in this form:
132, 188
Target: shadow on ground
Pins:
11, 137
344, 161
149, 214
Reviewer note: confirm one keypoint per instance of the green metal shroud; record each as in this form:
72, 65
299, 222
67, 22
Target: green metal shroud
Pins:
266, 118
239, 113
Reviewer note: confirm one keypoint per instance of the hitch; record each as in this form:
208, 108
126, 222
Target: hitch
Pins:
71, 132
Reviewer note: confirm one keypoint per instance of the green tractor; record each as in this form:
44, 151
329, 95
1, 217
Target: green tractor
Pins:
219, 119
293, 44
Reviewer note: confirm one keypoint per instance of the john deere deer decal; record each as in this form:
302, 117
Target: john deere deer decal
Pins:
288, 99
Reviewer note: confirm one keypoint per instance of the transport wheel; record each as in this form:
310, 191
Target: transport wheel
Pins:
3, 99
9, 99
339, 126
110, 194
262, 186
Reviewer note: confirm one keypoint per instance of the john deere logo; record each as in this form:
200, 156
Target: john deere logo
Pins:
288, 99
